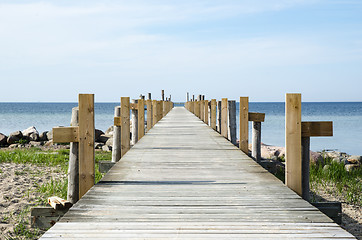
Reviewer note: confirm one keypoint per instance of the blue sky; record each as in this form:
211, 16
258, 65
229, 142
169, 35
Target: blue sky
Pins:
53, 50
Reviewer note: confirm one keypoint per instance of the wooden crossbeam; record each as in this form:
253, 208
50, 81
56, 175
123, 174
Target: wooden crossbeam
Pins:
65, 134
317, 129
117, 121
256, 117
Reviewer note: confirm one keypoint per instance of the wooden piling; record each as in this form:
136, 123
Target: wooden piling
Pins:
256, 141
197, 108
154, 112
149, 114
159, 110
116, 149
73, 167
86, 143
224, 117
134, 131
293, 138
232, 121
141, 118
206, 112
219, 116
244, 124
202, 110
305, 167
213, 114
125, 125
163, 95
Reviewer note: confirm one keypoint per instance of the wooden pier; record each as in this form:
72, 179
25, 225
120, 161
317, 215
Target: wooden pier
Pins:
183, 180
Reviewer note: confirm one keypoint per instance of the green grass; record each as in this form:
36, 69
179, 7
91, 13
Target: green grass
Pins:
348, 184
35, 156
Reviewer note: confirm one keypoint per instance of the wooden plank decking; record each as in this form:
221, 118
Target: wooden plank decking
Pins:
183, 180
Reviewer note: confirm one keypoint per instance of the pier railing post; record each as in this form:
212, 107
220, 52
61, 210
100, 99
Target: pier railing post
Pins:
73, 168
244, 124
257, 119
154, 112
293, 138
134, 111
224, 117
125, 125
141, 118
219, 117
232, 121
116, 149
206, 112
149, 114
197, 109
202, 110
213, 114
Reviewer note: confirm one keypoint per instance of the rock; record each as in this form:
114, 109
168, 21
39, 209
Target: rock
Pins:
31, 134
334, 154
109, 132
337, 159
102, 138
107, 148
326, 167
98, 145
351, 167
268, 151
43, 136
14, 137
35, 144
15, 145
316, 158
110, 142
354, 159
97, 134
50, 135
49, 143
344, 161
3, 140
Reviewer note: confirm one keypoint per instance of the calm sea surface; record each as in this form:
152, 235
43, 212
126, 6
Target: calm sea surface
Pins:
346, 117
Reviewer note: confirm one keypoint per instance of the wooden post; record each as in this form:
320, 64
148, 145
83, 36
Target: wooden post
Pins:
213, 114
202, 110
192, 107
305, 167
187, 97
311, 129
219, 116
206, 112
134, 112
293, 138
125, 125
154, 112
116, 149
224, 117
256, 141
232, 121
164, 108
149, 96
163, 95
84, 134
197, 109
159, 110
193, 98
149, 114
73, 168
141, 118
244, 124
86, 143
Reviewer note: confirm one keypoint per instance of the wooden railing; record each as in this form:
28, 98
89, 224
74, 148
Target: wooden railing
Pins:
81, 136
297, 133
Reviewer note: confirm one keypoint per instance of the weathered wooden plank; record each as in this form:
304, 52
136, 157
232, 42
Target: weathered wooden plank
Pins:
213, 114
317, 129
224, 117
244, 124
65, 134
86, 143
141, 118
125, 125
256, 117
293, 142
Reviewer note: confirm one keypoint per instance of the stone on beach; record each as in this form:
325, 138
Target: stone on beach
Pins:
31, 134
3, 140
14, 137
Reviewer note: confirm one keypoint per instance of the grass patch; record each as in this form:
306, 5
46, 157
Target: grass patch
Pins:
348, 184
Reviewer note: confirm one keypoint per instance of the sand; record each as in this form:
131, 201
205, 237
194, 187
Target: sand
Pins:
18, 184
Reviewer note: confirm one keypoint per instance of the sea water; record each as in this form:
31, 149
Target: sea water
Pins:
346, 117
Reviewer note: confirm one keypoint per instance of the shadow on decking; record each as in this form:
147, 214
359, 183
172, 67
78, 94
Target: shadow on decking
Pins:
168, 183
